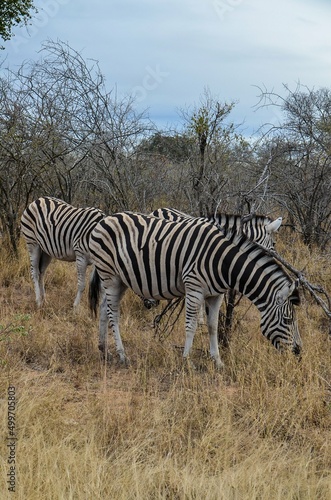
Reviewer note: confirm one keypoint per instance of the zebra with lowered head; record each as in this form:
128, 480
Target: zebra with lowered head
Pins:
55, 229
160, 259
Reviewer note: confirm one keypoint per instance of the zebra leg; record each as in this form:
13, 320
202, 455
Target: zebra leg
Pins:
201, 317
193, 302
103, 329
213, 305
38, 265
35, 254
114, 293
44, 262
81, 265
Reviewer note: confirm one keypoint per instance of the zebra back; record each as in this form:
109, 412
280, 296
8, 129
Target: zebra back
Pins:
258, 228
59, 228
170, 214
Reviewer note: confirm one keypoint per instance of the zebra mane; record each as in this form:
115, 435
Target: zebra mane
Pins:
239, 221
54, 199
256, 218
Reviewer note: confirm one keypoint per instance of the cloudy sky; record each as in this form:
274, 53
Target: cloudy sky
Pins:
166, 52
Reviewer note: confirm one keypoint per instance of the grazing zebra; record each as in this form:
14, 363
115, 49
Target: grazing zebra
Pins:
54, 229
160, 259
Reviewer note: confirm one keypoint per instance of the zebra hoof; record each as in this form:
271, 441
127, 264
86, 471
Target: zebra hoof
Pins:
219, 366
124, 360
125, 363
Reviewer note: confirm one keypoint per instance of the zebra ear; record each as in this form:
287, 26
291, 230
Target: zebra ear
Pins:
274, 225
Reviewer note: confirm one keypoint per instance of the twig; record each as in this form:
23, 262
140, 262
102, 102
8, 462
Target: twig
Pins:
172, 307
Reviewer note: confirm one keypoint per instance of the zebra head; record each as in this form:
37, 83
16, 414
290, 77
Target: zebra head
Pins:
278, 319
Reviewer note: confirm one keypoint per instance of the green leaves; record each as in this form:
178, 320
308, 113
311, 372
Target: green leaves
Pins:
14, 13
17, 327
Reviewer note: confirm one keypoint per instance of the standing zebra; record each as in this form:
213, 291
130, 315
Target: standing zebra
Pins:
161, 259
54, 229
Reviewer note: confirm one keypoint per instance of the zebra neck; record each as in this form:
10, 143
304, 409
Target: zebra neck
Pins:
252, 273
262, 290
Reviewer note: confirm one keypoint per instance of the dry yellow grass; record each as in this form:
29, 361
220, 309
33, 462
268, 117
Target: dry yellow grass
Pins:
260, 430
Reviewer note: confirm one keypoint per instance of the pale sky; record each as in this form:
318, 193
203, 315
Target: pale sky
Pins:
166, 52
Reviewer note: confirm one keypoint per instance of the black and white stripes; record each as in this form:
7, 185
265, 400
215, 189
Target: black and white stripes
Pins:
258, 228
160, 259
54, 229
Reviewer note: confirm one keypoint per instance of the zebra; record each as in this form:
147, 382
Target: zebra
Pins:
161, 259
55, 229
258, 228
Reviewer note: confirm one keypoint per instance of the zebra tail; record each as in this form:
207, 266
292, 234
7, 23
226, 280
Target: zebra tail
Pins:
94, 293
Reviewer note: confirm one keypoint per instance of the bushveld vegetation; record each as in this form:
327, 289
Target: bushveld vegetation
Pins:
260, 429
63, 133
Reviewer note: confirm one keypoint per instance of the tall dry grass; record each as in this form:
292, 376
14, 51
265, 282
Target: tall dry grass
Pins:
156, 430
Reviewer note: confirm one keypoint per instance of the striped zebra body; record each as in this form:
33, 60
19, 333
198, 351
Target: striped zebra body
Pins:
55, 229
258, 228
160, 259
